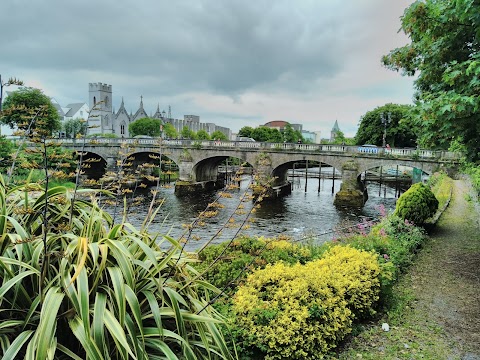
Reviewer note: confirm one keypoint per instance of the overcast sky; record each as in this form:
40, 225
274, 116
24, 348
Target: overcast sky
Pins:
232, 62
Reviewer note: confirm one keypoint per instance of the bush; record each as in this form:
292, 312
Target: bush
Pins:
241, 252
417, 204
303, 311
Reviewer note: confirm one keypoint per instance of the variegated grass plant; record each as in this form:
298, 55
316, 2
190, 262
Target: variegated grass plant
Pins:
81, 287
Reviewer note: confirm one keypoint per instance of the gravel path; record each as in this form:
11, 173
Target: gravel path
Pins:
448, 274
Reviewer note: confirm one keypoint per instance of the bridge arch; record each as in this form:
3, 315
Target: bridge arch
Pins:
207, 168
280, 172
93, 165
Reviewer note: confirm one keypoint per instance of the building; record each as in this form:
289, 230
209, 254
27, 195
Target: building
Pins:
334, 132
105, 120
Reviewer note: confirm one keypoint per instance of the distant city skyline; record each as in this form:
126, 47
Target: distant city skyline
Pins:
233, 63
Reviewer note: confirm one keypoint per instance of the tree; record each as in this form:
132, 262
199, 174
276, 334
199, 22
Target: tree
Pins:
219, 135
444, 54
6, 151
145, 126
289, 135
186, 133
21, 106
170, 131
73, 127
401, 132
202, 135
245, 131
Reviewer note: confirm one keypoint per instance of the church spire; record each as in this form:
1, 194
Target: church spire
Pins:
141, 101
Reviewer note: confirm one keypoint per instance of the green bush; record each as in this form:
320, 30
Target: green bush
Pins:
238, 254
302, 311
417, 204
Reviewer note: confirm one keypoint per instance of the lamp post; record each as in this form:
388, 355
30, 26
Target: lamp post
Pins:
11, 81
385, 120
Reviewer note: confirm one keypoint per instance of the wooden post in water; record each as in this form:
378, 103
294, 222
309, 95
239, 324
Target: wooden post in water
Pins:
396, 182
319, 175
306, 175
333, 180
380, 187
293, 176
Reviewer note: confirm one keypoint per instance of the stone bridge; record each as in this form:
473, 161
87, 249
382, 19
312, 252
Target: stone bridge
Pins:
198, 161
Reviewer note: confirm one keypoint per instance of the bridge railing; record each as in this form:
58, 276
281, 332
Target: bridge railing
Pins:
361, 150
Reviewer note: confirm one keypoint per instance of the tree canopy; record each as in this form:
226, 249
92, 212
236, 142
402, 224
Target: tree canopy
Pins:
202, 135
400, 130
21, 106
219, 135
444, 54
145, 126
245, 131
170, 131
74, 127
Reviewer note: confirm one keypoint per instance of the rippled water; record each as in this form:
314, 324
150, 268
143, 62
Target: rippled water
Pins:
300, 214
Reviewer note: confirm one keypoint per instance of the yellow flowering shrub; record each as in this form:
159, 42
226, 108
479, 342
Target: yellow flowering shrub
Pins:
302, 311
353, 273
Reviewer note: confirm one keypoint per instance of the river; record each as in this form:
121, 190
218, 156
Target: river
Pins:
302, 214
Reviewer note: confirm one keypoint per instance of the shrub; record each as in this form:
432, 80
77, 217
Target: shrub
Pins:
355, 274
303, 311
417, 204
244, 251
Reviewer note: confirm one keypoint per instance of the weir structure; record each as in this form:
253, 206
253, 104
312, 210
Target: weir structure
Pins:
198, 161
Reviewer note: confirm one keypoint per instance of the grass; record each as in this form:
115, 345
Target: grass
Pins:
433, 313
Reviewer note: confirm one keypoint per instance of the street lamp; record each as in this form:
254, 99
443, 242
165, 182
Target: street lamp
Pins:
385, 120
11, 81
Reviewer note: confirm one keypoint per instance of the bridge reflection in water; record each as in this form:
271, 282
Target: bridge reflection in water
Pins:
303, 216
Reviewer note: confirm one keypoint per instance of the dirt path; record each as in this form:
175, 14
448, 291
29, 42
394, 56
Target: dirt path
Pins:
439, 312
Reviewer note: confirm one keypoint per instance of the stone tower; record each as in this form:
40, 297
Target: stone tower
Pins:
101, 115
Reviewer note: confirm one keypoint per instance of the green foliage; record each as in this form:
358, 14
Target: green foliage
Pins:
217, 134
21, 106
186, 133
145, 126
202, 135
474, 172
74, 127
6, 151
289, 135
266, 134
246, 131
303, 311
170, 131
417, 204
87, 288
444, 55
245, 251
400, 131
441, 185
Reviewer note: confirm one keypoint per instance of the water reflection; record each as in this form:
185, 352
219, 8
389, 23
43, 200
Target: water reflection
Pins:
300, 214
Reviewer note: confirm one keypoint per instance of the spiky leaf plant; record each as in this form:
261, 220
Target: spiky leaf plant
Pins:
84, 288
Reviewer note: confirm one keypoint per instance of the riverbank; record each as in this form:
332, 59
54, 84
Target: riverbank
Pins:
436, 314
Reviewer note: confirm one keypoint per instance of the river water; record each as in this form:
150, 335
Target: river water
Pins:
302, 214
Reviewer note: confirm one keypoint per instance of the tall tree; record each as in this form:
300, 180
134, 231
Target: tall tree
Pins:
400, 131
444, 54
245, 131
27, 104
219, 135
187, 133
145, 126
170, 131
202, 135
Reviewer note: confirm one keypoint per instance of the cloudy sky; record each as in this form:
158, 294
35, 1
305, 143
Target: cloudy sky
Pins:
232, 62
